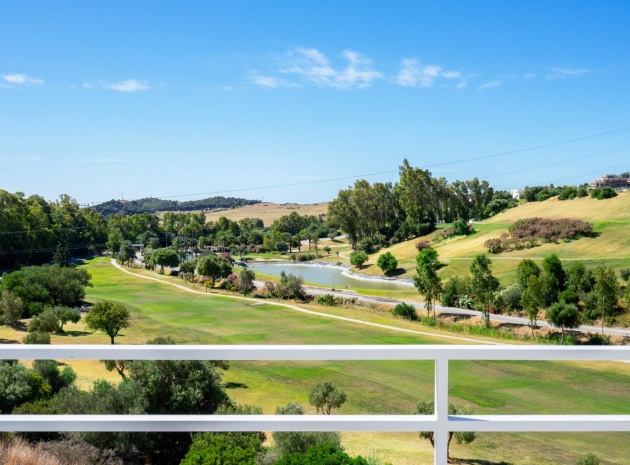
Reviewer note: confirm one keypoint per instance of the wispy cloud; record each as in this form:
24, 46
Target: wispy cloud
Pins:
270, 81
129, 85
303, 66
21, 79
565, 73
413, 74
489, 85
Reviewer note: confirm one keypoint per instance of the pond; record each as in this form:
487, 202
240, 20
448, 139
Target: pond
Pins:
330, 275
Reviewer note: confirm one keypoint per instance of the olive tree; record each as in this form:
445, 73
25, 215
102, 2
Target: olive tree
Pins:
108, 317
461, 437
325, 397
215, 267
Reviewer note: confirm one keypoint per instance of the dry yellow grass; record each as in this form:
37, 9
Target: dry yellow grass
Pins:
586, 208
268, 212
19, 452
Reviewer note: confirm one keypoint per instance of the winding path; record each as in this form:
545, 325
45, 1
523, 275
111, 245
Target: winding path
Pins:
303, 310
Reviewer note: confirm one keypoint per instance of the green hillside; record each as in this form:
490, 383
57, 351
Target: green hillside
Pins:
611, 219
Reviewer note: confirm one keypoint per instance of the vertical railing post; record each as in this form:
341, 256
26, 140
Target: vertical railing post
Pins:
440, 435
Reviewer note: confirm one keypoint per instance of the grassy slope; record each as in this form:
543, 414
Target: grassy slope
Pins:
374, 387
268, 212
610, 217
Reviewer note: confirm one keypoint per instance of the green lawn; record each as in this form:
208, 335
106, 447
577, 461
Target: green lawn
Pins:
375, 387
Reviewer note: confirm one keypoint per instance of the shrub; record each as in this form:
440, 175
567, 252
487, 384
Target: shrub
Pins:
527, 232
589, 459
37, 338
387, 262
406, 311
602, 193
569, 297
421, 245
511, 297
358, 258
327, 299
597, 339
305, 257
625, 274
568, 193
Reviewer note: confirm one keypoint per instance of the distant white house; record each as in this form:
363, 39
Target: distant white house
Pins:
516, 193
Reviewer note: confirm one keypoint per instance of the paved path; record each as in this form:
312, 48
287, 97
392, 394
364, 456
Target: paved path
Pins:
303, 310
459, 311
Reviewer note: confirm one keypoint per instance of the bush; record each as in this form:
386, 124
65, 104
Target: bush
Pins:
568, 193
324, 453
304, 257
366, 245
387, 262
625, 274
421, 245
601, 193
37, 338
358, 258
327, 299
597, 339
230, 448
527, 232
46, 322
569, 297
511, 297
406, 311
589, 459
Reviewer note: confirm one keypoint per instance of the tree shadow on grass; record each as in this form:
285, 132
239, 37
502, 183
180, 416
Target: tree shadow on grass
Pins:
74, 333
478, 462
396, 272
232, 385
8, 341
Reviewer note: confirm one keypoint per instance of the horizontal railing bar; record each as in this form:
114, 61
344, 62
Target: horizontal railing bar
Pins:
312, 352
540, 423
172, 423
349, 423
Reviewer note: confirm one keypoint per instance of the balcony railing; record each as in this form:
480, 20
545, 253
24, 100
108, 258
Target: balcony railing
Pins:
441, 422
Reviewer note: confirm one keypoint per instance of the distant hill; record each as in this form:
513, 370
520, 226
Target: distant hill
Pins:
268, 212
153, 205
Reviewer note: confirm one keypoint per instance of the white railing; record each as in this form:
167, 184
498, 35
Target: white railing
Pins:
441, 422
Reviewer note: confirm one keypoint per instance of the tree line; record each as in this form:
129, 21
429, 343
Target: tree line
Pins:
386, 213
153, 205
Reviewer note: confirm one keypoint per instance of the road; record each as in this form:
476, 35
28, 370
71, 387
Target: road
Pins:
312, 290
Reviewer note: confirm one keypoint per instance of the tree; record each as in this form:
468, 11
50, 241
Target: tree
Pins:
165, 257
46, 322
606, 291
215, 267
325, 397
11, 308
554, 278
358, 258
387, 262
36, 338
65, 314
108, 317
427, 281
532, 299
246, 281
563, 316
483, 285
462, 437
525, 269
187, 270
626, 295
579, 279
126, 253
296, 441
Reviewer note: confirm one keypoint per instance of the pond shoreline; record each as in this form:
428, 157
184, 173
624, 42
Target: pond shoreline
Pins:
345, 271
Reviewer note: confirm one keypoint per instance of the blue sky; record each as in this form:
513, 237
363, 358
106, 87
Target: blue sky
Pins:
291, 101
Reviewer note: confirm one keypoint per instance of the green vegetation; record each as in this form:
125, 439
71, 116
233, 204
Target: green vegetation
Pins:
153, 205
387, 262
108, 317
325, 397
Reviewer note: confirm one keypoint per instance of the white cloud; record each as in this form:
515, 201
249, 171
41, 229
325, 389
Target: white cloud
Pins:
564, 73
303, 66
21, 79
228, 88
489, 85
312, 66
413, 74
129, 85
270, 81
87, 85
